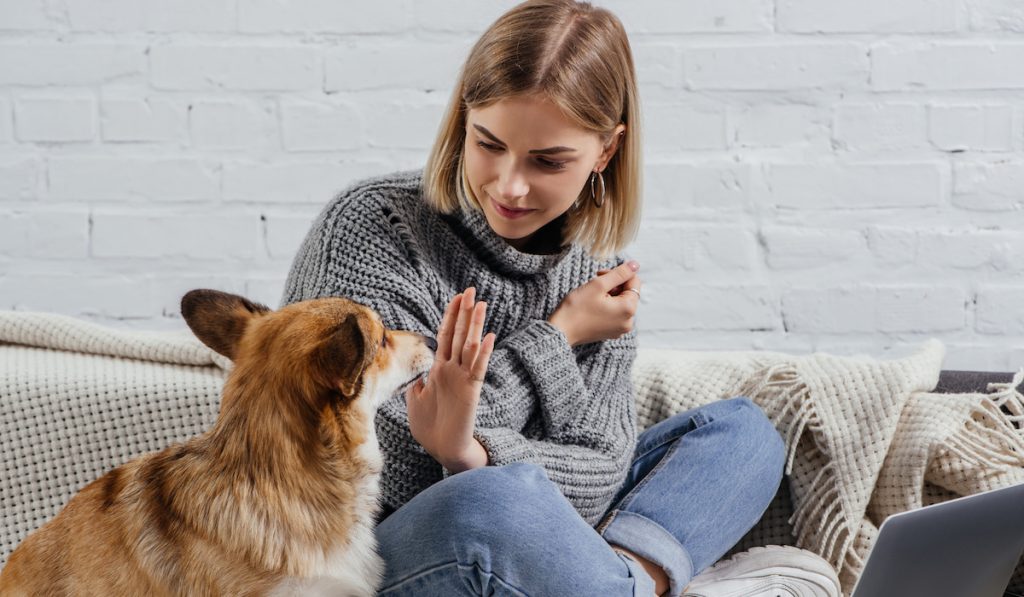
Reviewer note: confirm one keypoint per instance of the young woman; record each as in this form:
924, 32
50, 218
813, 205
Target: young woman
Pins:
515, 467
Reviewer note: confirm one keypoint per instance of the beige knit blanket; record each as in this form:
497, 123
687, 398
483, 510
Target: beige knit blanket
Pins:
866, 438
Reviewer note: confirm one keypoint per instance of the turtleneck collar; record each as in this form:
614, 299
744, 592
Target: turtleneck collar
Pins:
496, 251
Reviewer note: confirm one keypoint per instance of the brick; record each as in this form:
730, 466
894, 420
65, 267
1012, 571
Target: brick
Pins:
469, 16
130, 16
125, 179
877, 127
989, 186
658, 64
791, 247
971, 127
661, 247
297, 182
947, 65
673, 127
869, 309
358, 65
405, 125
153, 236
15, 234
67, 64
26, 15
678, 306
957, 248
20, 178
246, 68
317, 126
996, 15
780, 126
866, 16
972, 249
668, 16
59, 235
776, 67
75, 295
670, 188
55, 119
998, 310
151, 119
6, 121
232, 125
327, 16
856, 186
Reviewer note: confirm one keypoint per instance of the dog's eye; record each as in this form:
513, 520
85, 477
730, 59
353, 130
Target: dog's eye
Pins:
384, 341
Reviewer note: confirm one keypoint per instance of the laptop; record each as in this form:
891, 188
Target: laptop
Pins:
966, 547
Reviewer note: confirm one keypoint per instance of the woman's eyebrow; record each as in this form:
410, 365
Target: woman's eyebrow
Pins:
549, 150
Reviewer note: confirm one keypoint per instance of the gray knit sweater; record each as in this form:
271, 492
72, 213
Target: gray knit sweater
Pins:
569, 410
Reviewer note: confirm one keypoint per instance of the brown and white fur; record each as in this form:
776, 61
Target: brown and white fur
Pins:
279, 497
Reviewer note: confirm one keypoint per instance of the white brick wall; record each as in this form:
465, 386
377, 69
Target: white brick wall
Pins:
836, 175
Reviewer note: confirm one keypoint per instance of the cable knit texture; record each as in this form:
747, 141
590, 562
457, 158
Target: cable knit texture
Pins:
570, 410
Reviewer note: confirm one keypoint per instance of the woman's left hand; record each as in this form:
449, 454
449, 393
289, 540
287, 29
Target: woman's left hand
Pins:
442, 410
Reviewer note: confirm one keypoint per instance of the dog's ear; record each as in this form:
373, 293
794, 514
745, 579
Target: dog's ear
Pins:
345, 353
218, 318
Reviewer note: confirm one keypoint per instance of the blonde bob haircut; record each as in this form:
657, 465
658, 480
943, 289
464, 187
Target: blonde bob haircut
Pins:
578, 57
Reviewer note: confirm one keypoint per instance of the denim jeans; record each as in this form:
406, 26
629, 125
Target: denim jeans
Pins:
698, 482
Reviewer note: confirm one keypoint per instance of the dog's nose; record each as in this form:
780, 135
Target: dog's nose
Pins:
431, 343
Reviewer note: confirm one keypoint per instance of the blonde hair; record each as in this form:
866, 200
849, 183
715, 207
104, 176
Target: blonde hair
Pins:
577, 56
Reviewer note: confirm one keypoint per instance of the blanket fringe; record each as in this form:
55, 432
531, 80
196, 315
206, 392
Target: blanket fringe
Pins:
987, 439
781, 391
1007, 397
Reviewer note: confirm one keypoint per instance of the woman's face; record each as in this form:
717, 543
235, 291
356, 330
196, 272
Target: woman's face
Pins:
527, 163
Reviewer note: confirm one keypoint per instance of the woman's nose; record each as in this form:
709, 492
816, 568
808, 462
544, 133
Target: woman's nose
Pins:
512, 183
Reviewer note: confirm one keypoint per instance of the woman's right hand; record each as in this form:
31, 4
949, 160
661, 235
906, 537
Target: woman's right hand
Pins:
601, 309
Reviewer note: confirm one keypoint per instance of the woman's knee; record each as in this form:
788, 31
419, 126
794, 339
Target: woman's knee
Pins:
756, 438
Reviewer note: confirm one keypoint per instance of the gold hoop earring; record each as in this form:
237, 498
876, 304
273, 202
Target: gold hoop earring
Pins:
597, 202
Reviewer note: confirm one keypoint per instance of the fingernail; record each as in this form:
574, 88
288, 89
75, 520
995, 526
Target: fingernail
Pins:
633, 265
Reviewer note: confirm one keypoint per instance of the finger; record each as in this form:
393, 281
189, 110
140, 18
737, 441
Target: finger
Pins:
445, 334
633, 283
617, 276
483, 357
413, 393
462, 324
476, 328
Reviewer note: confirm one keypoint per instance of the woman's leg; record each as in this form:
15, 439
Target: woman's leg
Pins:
500, 531
699, 481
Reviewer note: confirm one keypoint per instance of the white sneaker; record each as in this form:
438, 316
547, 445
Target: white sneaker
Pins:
771, 571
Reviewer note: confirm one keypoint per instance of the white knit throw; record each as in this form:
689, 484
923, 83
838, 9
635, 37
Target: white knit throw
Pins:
866, 437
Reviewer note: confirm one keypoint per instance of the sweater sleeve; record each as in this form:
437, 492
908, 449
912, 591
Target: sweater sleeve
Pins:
587, 416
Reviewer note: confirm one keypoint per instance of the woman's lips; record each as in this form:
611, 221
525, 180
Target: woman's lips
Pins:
511, 214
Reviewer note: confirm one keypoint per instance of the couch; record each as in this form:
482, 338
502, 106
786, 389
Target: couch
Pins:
77, 399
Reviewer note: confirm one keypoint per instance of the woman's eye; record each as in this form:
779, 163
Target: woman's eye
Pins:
548, 164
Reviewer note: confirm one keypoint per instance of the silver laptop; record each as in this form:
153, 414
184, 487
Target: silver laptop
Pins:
967, 547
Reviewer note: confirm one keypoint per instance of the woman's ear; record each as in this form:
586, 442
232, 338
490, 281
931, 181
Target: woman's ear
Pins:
610, 147
218, 318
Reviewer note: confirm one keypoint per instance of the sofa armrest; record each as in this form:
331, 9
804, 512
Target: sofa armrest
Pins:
962, 382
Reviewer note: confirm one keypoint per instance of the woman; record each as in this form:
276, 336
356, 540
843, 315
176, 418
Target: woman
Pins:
515, 467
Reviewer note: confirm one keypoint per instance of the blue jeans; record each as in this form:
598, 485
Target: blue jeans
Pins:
698, 482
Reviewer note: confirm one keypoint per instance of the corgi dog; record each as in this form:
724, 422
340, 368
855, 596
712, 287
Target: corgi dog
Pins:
279, 497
